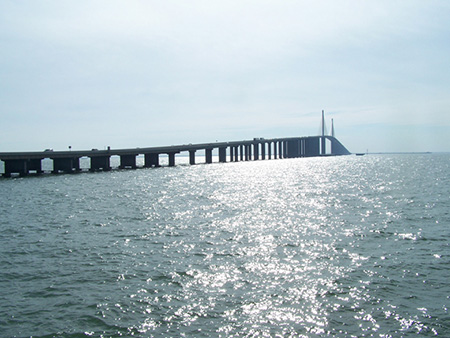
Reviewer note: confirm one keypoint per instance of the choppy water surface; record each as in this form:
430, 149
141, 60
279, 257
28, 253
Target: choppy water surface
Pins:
345, 246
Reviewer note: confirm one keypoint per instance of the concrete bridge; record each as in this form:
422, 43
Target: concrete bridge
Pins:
24, 163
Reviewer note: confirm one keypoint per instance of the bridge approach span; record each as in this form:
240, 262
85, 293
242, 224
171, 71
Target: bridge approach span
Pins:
24, 163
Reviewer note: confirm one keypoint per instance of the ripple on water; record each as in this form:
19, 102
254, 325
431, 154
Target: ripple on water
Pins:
305, 247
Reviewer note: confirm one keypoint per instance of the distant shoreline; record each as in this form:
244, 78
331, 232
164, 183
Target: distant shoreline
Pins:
405, 153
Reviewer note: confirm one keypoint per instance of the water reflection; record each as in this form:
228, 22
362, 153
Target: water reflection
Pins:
304, 247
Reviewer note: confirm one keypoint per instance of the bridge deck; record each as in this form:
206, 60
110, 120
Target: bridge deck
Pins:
68, 161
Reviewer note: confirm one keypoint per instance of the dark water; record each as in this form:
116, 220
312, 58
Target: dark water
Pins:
346, 247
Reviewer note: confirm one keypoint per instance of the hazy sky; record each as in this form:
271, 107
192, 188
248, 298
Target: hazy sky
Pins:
144, 73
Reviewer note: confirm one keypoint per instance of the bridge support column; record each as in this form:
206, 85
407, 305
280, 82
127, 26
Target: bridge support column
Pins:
66, 165
222, 154
127, 161
263, 151
241, 152
256, 151
191, 157
171, 159
100, 163
275, 145
231, 154
312, 146
151, 160
208, 155
269, 150
236, 153
22, 167
36, 165
323, 146
293, 148
16, 166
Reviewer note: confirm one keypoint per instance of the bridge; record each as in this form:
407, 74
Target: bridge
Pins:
24, 163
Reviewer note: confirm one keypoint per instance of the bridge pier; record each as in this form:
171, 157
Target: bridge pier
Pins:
312, 146
294, 148
36, 165
100, 163
255, 151
222, 154
66, 165
16, 166
236, 154
128, 161
22, 166
208, 155
263, 151
323, 146
241, 152
171, 159
151, 160
191, 157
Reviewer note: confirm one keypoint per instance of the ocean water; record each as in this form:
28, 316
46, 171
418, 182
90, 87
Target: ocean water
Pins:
310, 247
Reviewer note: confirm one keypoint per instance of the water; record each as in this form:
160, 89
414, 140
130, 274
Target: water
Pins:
341, 247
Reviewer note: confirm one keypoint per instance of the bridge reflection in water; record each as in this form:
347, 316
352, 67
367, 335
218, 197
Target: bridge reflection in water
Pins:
24, 163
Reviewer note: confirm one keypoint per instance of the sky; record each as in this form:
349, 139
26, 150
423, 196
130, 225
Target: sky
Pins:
126, 74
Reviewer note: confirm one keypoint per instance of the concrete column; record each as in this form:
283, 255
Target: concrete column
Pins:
231, 154
312, 146
236, 153
256, 151
15, 166
241, 152
275, 145
100, 163
127, 161
222, 154
66, 165
171, 159
191, 157
293, 148
285, 148
249, 147
280, 149
151, 160
263, 150
323, 147
208, 155
269, 150
35, 164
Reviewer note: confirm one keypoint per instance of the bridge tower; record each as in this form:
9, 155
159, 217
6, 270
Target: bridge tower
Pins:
322, 139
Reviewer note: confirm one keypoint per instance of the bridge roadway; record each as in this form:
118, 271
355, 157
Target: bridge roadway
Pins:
24, 163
